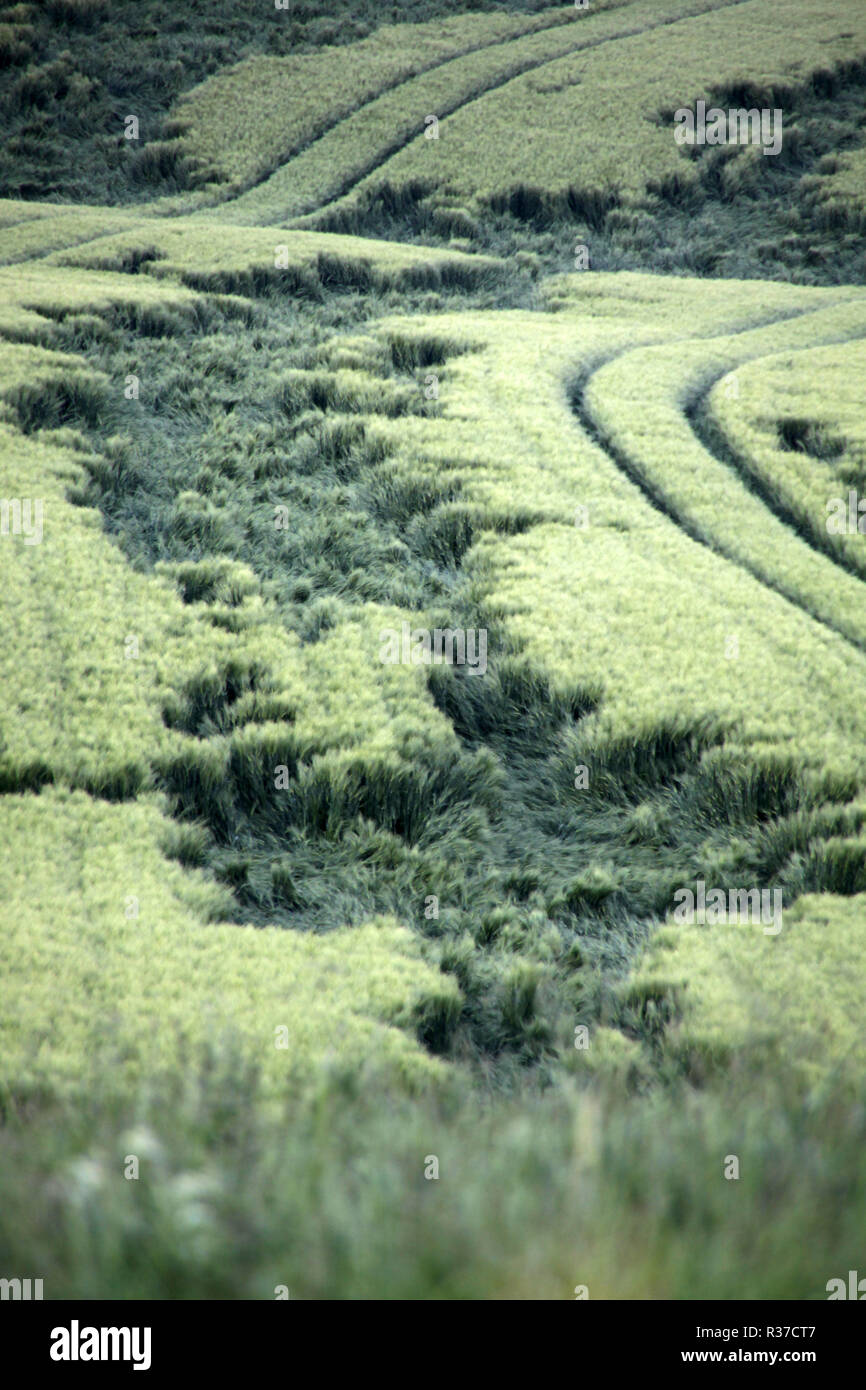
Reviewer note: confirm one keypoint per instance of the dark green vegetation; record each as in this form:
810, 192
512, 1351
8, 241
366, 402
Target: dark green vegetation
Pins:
544, 898
448, 806
739, 221
215, 443
68, 78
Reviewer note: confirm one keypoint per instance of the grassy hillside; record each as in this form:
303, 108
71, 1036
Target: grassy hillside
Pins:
533, 118
281, 893
806, 455
72, 70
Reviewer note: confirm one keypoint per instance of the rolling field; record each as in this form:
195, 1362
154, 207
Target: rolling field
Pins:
285, 888
514, 111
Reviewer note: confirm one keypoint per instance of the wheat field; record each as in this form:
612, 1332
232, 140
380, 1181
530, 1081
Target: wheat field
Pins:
431, 552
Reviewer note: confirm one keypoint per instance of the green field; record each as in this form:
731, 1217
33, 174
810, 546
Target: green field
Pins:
287, 386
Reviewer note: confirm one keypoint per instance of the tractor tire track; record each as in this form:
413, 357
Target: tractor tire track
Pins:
329, 125
659, 500
710, 434
401, 142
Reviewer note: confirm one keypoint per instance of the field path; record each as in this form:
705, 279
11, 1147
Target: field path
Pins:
640, 405
296, 189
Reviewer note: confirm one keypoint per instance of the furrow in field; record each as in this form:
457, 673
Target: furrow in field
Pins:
523, 138
330, 167
794, 423
220, 110
37, 237
636, 405
711, 437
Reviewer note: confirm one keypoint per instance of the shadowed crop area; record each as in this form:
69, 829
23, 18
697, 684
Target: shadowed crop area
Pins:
432, 734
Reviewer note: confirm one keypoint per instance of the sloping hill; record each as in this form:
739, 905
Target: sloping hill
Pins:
558, 486
395, 628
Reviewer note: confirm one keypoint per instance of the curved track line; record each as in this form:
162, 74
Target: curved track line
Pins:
74, 245
383, 156
329, 125
657, 498
711, 435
